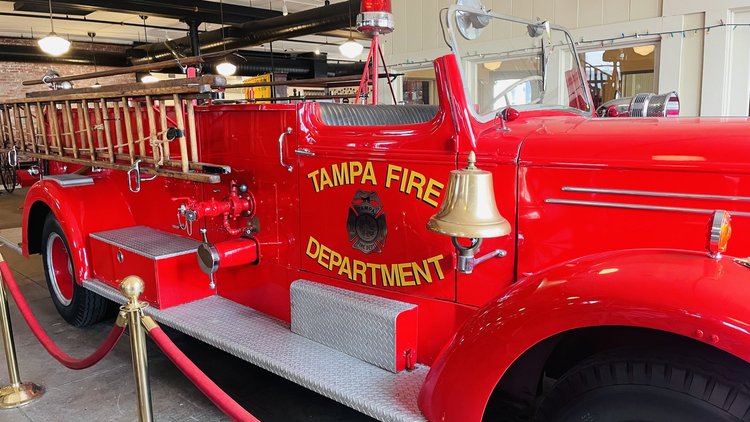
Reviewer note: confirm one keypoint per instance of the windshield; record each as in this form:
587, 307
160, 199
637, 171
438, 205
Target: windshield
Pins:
508, 61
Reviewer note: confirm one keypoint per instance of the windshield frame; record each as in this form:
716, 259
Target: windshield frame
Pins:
450, 20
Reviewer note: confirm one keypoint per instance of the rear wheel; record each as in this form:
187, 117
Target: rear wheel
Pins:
8, 174
78, 306
643, 386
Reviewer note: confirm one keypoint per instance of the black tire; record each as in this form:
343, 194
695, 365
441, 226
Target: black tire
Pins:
78, 306
648, 386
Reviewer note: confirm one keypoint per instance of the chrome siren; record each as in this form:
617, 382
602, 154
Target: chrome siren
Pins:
642, 105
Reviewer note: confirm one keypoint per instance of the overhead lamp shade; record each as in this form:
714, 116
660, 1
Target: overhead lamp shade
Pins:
149, 79
493, 65
226, 68
644, 50
350, 49
54, 45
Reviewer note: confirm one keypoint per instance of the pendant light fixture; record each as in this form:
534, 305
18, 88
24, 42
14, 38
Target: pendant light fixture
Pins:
93, 52
644, 50
350, 49
284, 10
53, 44
225, 68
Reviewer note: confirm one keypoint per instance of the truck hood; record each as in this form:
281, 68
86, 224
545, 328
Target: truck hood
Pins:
686, 144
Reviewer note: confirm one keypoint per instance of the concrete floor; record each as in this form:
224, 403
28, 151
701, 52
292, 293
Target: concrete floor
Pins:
106, 392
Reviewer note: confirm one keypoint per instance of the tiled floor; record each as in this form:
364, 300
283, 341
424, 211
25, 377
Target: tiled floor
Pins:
106, 391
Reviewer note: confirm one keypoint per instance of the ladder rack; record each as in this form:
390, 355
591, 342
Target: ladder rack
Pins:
115, 127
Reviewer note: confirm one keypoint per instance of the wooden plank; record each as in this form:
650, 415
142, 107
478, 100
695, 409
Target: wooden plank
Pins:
181, 125
139, 128
119, 141
174, 174
136, 92
152, 130
163, 121
211, 80
128, 129
87, 127
55, 127
19, 143
184, 61
80, 136
30, 126
42, 123
193, 131
71, 128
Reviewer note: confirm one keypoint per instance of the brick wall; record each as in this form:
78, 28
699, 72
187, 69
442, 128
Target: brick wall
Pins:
12, 74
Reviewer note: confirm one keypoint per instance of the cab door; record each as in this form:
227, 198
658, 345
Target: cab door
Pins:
366, 193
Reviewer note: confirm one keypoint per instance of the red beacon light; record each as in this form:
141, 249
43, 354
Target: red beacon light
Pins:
375, 17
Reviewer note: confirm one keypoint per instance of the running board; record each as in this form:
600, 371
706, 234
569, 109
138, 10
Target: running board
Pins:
269, 343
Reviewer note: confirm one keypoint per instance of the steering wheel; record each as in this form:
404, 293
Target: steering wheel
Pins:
504, 93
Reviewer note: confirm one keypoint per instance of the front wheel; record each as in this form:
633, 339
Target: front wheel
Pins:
78, 306
649, 387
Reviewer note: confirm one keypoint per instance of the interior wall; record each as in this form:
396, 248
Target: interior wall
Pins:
709, 69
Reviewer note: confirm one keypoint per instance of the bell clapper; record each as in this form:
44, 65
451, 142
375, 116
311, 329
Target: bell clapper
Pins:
469, 212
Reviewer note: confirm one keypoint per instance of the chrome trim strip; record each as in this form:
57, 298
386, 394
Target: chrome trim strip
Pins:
641, 207
656, 194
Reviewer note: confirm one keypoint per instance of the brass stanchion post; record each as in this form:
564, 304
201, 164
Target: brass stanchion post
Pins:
132, 287
17, 393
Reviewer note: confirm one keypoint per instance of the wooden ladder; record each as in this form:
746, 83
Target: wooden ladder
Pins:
115, 127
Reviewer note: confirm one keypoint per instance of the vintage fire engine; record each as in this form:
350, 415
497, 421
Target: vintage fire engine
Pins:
505, 254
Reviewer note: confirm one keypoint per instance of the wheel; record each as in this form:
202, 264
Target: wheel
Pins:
78, 306
8, 174
648, 386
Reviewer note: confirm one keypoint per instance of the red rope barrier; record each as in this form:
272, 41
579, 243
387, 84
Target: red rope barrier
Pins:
225, 403
65, 359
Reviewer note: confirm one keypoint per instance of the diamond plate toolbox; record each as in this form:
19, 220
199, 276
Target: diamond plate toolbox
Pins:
374, 329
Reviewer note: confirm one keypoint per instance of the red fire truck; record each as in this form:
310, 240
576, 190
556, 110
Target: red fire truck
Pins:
504, 254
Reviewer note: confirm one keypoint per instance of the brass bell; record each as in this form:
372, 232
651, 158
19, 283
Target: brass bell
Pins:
469, 209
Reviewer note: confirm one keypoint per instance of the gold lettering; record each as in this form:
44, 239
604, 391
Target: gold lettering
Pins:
310, 243
340, 174
355, 169
415, 175
324, 256
390, 278
434, 188
313, 175
325, 179
404, 178
392, 174
405, 272
359, 269
421, 272
373, 268
435, 260
346, 268
335, 260
369, 174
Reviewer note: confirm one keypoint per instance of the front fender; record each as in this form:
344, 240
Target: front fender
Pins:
685, 293
80, 211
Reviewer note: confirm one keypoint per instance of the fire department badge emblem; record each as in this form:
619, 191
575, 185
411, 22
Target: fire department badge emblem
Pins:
366, 222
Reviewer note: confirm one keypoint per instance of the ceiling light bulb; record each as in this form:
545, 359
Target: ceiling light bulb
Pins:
148, 79
317, 51
493, 65
350, 49
644, 50
284, 10
96, 85
226, 68
54, 45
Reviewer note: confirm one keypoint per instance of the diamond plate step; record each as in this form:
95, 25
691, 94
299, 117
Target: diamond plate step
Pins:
70, 180
148, 242
269, 343
375, 329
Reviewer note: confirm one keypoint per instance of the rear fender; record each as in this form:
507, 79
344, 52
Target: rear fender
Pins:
80, 211
680, 292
